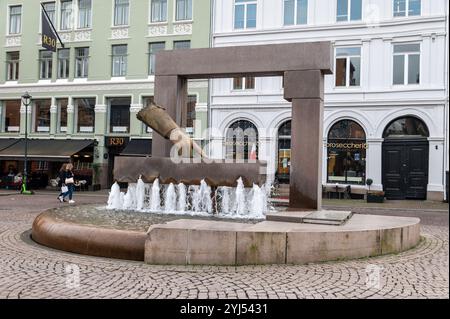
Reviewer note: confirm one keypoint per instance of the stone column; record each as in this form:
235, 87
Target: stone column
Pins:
305, 90
374, 155
170, 93
53, 117
70, 118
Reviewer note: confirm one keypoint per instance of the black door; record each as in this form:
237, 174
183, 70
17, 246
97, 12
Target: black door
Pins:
405, 168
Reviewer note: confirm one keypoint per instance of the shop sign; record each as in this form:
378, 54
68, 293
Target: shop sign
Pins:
112, 141
360, 146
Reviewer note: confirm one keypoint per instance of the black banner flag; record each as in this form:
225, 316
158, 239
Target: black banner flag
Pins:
49, 34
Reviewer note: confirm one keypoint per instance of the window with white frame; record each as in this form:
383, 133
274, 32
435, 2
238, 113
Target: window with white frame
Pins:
185, 44
244, 83
245, 14
15, 19
84, 14
63, 63
406, 66
11, 113
66, 15
349, 10
84, 114
295, 12
158, 11
119, 60
183, 10
348, 67
403, 8
12, 66
50, 8
119, 114
45, 64
81, 62
121, 10
41, 116
153, 48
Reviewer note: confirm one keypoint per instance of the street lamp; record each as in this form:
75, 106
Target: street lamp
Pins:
26, 100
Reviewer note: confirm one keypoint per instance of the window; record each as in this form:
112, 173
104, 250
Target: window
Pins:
295, 12
153, 48
147, 101
119, 115
121, 8
45, 64
181, 44
11, 109
406, 64
183, 10
84, 13
50, 8
348, 66
15, 19
346, 149
62, 115
406, 126
119, 60
158, 11
349, 10
245, 83
12, 66
66, 15
42, 116
241, 141
284, 151
85, 114
244, 14
190, 118
403, 8
63, 63
81, 62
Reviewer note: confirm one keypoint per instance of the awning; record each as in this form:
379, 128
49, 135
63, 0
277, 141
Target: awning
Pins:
44, 149
138, 147
7, 142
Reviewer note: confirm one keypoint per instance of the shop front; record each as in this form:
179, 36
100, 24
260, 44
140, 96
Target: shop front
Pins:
44, 158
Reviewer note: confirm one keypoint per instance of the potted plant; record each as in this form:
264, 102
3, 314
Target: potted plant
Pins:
96, 177
374, 196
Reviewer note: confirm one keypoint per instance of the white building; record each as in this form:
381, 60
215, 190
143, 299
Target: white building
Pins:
385, 105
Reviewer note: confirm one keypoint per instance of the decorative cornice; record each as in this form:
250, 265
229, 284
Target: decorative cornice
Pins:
182, 28
136, 107
13, 40
157, 30
100, 108
119, 33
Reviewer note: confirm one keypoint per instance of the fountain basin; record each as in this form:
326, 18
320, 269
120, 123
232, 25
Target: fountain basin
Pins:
191, 242
185, 240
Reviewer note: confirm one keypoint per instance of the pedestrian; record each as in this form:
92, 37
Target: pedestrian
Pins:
70, 182
62, 184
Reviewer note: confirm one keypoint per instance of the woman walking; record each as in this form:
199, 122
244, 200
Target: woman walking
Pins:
62, 183
70, 182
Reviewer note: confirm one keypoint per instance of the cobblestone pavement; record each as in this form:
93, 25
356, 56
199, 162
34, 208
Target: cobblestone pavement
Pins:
28, 270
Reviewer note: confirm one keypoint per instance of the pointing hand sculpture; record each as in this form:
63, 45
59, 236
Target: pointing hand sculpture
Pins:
157, 118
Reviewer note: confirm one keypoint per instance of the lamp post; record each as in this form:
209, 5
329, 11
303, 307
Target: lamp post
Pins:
26, 100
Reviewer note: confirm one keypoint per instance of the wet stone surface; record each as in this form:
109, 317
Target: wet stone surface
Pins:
99, 216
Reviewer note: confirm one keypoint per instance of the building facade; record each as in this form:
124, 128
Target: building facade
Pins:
92, 88
386, 105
